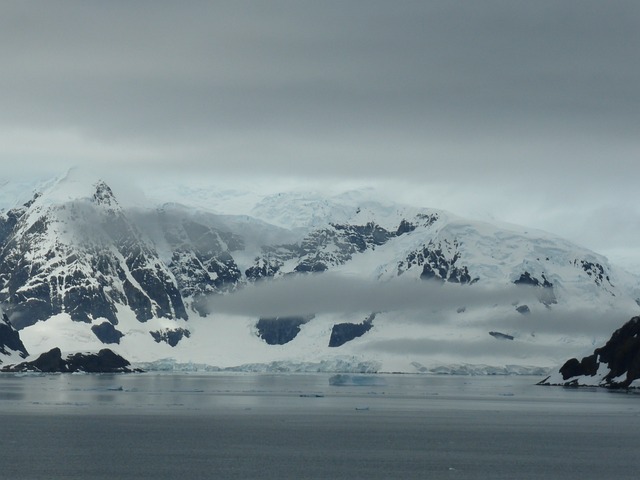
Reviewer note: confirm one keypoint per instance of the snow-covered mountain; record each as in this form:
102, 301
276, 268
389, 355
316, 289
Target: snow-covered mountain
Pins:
75, 251
304, 282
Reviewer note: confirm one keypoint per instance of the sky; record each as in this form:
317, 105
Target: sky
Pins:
520, 111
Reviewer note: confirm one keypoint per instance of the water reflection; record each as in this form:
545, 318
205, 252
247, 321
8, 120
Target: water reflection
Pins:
217, 392
12, 396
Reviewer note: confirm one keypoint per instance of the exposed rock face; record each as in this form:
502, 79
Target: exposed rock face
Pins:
170, 336
47, 362
107, 333
105, 361
326, 247
280, 330
439, 261
546, 294
614, 365
82, 257
405, 227
201, 259
596, 271
342, 333
10, 342
501, 336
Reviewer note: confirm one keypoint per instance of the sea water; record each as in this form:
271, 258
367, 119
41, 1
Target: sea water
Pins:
289, 426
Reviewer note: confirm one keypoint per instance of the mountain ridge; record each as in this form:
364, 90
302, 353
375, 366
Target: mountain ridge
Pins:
139, 277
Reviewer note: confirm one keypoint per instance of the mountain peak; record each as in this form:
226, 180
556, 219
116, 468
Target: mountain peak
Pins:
75, 184
104, 195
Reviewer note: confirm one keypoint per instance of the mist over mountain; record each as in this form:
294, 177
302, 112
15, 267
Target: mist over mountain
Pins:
407, 288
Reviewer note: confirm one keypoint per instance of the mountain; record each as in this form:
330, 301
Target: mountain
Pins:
614, 365
80, 255
340, 282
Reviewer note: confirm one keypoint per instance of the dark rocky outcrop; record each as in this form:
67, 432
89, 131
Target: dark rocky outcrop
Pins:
280, 330
523, 309
311, 266
501, 336
321, 249
107, 333
405, 227
105, 361
546, 294
263, 268
439, 261
595, 270
171, 336
527, 279
574, 367
47, 362
10, 339
342, 333
620, 355
363, 236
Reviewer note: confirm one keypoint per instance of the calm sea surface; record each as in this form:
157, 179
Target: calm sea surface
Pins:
246, 426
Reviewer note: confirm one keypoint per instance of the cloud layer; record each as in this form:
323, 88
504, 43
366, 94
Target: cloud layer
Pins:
517, 86
524, 109
459, 307
331, 293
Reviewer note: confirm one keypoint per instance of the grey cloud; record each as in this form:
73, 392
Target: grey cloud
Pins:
331, 293
564, 321
556, 324
428, 303
158, 69
511, 349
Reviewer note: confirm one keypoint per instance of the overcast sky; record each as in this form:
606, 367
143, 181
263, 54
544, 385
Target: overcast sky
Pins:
525, 111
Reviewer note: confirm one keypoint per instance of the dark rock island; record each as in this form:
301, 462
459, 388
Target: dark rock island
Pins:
614, 365
105, 361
